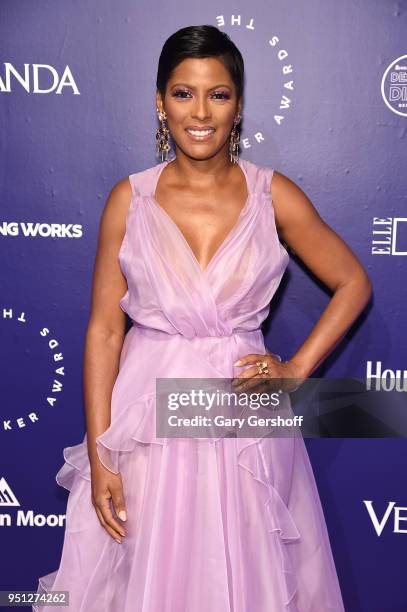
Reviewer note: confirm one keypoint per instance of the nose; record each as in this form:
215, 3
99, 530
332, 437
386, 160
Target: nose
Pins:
201, 108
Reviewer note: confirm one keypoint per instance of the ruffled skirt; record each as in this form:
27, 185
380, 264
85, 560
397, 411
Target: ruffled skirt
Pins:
227, 525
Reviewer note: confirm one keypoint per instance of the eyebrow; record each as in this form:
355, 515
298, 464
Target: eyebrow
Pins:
192, 87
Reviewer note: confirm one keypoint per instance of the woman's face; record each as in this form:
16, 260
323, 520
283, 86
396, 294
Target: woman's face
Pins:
201, 105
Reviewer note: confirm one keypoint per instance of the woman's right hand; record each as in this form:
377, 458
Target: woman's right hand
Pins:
106, 486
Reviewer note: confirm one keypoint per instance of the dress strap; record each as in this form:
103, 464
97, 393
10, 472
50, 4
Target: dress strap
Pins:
133, 183
265, 178
143, 182
259, 177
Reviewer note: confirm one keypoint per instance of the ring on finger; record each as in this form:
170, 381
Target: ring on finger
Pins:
262, 367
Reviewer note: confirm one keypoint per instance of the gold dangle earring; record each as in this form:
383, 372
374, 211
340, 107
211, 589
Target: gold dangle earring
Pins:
162, 135
234, 141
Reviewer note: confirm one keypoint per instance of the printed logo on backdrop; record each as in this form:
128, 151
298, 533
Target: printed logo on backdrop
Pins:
394, 86
389, 236
36, 229
20, 517
7, 497
397, 523
280, 72
37, 79
35, 354
379, 378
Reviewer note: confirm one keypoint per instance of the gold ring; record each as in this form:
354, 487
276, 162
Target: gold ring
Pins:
262, 367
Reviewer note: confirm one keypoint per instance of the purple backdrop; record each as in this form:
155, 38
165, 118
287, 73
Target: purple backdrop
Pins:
326, 104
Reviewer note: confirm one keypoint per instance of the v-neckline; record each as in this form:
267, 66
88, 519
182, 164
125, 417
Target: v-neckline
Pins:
230, 234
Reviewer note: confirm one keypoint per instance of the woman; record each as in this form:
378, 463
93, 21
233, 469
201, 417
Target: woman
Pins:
189, 249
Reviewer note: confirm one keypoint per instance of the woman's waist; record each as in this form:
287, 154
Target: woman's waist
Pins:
173, 354
197, 335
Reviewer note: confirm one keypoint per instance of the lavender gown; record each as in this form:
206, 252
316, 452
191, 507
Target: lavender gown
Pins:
226, 525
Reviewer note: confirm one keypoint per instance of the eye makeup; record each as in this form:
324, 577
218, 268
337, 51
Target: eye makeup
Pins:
223, 95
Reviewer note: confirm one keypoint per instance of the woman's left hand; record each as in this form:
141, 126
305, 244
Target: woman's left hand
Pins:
282, 376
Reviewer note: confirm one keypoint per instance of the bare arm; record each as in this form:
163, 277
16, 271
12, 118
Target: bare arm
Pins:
331, 260
106, 326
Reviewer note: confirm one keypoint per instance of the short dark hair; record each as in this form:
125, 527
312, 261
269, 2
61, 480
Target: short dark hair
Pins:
199, 42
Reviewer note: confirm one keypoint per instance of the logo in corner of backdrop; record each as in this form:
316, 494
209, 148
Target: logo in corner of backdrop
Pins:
380, 521
33, 371
7, 497
23, 517
37, 79
394, 86
40, 229
276, 81
389, 236
380, 378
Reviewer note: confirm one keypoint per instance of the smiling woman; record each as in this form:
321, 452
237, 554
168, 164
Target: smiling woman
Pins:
189, 249
208, 82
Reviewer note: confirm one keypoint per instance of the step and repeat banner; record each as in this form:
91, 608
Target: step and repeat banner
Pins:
326, 105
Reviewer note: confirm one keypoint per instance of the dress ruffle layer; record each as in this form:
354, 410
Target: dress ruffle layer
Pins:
137, 425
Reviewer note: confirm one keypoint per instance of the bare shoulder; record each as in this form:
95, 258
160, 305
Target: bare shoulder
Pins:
291, 203
120, 194
317, 244
122, 187
116, 207
109, 283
